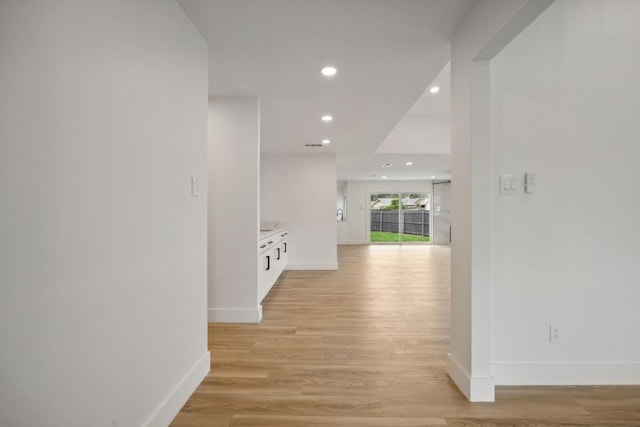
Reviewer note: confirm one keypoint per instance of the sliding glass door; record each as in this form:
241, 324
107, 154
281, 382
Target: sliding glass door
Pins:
399, 217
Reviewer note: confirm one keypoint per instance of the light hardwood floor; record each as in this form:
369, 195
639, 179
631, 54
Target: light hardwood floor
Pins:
366, 346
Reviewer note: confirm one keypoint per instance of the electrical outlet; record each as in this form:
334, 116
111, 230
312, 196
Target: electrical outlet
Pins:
555, 333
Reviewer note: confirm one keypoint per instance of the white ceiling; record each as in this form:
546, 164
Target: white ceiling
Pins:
388, 52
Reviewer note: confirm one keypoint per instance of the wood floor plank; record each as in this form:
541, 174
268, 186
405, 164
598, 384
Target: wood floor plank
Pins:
366, 346
452, 407
269, 404
330, 421
184, 419
540, 421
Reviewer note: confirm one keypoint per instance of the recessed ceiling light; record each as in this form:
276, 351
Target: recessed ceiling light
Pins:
386, 165
329, 71
326, 141
409, 163
327, 118
434, 89
384, 177
433, 177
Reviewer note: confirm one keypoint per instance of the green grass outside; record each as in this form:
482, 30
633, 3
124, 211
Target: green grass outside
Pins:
384, 236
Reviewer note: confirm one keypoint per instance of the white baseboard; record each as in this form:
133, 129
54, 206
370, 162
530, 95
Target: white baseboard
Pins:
166, 411
476, 389
312, 265
566, 373
234, 315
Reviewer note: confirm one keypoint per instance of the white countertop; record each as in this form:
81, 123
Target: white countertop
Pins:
268, 233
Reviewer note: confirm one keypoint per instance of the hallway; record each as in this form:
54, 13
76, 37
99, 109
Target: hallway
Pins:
366, 346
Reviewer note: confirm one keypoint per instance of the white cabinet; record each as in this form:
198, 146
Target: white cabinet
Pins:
272, 259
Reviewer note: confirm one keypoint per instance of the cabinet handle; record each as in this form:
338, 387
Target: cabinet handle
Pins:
263, 246
282, 235
285, 247
269, 242
268, 263
278, 253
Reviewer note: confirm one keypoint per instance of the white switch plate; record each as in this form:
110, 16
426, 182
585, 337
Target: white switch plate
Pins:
555, 332
195, 187
529, 182
509, 184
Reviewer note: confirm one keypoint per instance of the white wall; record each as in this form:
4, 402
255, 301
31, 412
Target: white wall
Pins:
234, 195
341, 204
566, 101
486, 29
431, 134
340, 197
358, 204
102, 248
300, 190
441, 213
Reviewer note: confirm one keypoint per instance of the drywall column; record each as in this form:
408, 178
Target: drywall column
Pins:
103, 122
488, 27
575, 262
234, 199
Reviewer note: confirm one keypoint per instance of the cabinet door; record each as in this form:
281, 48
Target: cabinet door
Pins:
284, 249
267, 266
272, 261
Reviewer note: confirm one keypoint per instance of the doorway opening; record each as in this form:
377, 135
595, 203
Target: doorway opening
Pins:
400, 218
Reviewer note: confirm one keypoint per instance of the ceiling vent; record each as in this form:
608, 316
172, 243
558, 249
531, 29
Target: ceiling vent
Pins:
313, 145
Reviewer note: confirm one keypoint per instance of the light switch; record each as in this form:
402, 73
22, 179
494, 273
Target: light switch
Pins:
529, 182
195, 187
509, 184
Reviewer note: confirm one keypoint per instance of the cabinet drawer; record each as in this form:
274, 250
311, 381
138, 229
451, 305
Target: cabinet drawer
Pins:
267, 244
